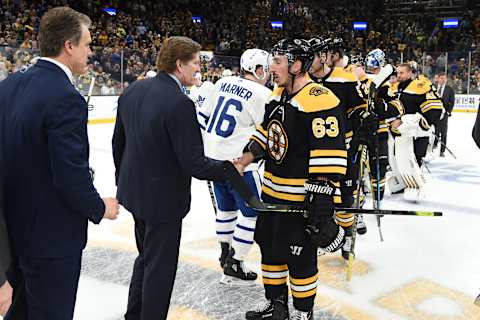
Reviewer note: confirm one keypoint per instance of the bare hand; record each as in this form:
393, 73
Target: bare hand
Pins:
111, 208
239, 166
396, 123
6, 292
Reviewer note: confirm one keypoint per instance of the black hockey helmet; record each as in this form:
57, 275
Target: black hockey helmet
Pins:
318, 44
355, 59
295, 49
335, 44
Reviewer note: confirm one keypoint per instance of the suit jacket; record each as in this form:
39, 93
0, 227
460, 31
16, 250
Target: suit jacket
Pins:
157, 148
448, 98
49, 194
476, 129
4, 246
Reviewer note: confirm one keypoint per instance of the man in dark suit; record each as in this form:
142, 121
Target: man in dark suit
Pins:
157, 148
448, 97
5, 288
49, 193
476, 129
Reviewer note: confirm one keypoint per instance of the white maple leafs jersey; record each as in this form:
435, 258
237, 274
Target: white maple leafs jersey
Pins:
199, 94
231, 115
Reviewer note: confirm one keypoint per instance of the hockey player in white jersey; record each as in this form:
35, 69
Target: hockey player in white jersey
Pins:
231, 116
200, 90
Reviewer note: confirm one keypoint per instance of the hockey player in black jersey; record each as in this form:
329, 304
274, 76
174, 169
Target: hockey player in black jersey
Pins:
387, 110
329, 69
423, 109
417, 95
302, 141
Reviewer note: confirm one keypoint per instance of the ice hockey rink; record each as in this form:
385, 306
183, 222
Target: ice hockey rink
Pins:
427, 268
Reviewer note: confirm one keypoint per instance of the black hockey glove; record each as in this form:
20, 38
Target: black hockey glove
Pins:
380, 107
365, 132
321, 225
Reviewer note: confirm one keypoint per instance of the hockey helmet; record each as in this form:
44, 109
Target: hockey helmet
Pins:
318, 44
355, 59
295, 49
227, 73
252, 58
335, 44
414, 66
375, 59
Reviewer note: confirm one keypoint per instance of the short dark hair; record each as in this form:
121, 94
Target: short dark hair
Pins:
441, 74
59, 25
173, 49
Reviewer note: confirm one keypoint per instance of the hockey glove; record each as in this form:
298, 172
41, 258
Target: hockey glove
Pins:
321, 227
365, 132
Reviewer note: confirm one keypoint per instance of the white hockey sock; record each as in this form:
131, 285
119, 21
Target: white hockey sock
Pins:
225, 224
243, 236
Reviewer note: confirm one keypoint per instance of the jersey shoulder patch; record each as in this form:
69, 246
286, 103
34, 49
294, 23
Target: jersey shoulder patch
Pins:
341, 75
419, 86
314, 97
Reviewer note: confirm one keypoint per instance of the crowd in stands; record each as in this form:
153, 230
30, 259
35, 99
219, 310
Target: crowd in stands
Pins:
125, 45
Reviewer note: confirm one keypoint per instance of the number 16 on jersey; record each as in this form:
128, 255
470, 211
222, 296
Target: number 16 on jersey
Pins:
223, 122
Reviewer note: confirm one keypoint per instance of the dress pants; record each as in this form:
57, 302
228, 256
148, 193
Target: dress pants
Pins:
441, 132
154, 270
44, 288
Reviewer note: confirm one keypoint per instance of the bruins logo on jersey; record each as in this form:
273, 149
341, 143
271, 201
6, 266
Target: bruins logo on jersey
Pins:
316, 91
277, 141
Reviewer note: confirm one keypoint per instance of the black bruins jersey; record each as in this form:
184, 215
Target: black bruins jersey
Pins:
418, 95
302, 138
343, 84
394, 107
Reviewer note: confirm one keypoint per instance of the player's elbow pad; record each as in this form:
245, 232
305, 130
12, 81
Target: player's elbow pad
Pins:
255, 149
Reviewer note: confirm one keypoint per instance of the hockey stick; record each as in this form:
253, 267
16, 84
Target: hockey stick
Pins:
237, 182
351, 253
212, 195
90, 90
446, 148
379, 80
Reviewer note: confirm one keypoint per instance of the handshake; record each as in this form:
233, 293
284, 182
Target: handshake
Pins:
111, 208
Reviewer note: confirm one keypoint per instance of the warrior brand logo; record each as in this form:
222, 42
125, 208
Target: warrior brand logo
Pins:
316, 91
321, 189
296, 250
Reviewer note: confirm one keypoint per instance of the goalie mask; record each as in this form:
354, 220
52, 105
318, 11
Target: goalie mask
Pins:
375, 59
251, 59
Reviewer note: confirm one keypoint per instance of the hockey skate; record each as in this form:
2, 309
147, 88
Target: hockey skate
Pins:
302, 315
361, 226
477, 301
275, 309
225, 246
236, 273
347, 246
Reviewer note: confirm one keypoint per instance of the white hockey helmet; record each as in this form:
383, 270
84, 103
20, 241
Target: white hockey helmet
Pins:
150, 74
227, 73
375, 59
251, 59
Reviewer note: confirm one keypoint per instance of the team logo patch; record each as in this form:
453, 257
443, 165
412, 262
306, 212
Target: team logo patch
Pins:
277, 141
316, 91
